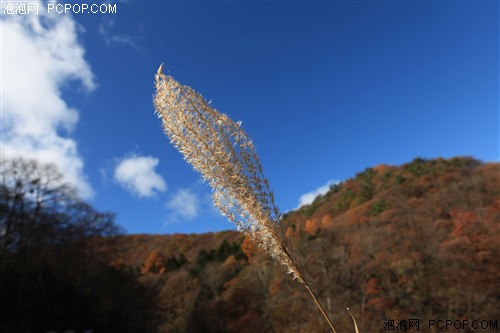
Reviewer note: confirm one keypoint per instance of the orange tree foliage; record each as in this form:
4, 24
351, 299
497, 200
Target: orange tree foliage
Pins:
416, 241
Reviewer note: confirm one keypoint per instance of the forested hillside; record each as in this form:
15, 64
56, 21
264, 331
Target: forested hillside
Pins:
417, 241
55, 252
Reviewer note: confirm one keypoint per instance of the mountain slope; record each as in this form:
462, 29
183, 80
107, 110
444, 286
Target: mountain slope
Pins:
416, 241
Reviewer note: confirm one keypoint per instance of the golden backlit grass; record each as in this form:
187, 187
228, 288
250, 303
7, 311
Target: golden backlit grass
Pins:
223, 153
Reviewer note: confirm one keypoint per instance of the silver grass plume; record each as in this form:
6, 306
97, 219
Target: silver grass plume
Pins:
222, 152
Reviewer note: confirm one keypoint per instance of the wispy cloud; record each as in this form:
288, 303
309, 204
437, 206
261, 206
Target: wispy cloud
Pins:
40, 54
137, 174
308, 198
184, 204
113, 39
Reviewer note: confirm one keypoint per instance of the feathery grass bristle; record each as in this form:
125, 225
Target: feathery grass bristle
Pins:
222, 152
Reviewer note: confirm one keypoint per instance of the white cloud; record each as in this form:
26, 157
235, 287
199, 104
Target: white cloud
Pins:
184, 204
40, 54
110, 39
137, 174
308, 198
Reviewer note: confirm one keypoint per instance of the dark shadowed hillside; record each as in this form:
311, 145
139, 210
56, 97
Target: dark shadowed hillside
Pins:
55, 254
416, 241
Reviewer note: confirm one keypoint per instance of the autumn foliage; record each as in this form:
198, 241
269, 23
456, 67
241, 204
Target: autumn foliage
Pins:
415, 241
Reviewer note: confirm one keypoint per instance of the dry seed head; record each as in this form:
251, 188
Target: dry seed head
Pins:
222, 152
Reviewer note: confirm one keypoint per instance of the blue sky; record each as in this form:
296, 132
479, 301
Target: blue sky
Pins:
325, 89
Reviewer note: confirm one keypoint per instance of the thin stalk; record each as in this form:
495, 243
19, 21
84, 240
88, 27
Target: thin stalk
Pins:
318, 304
